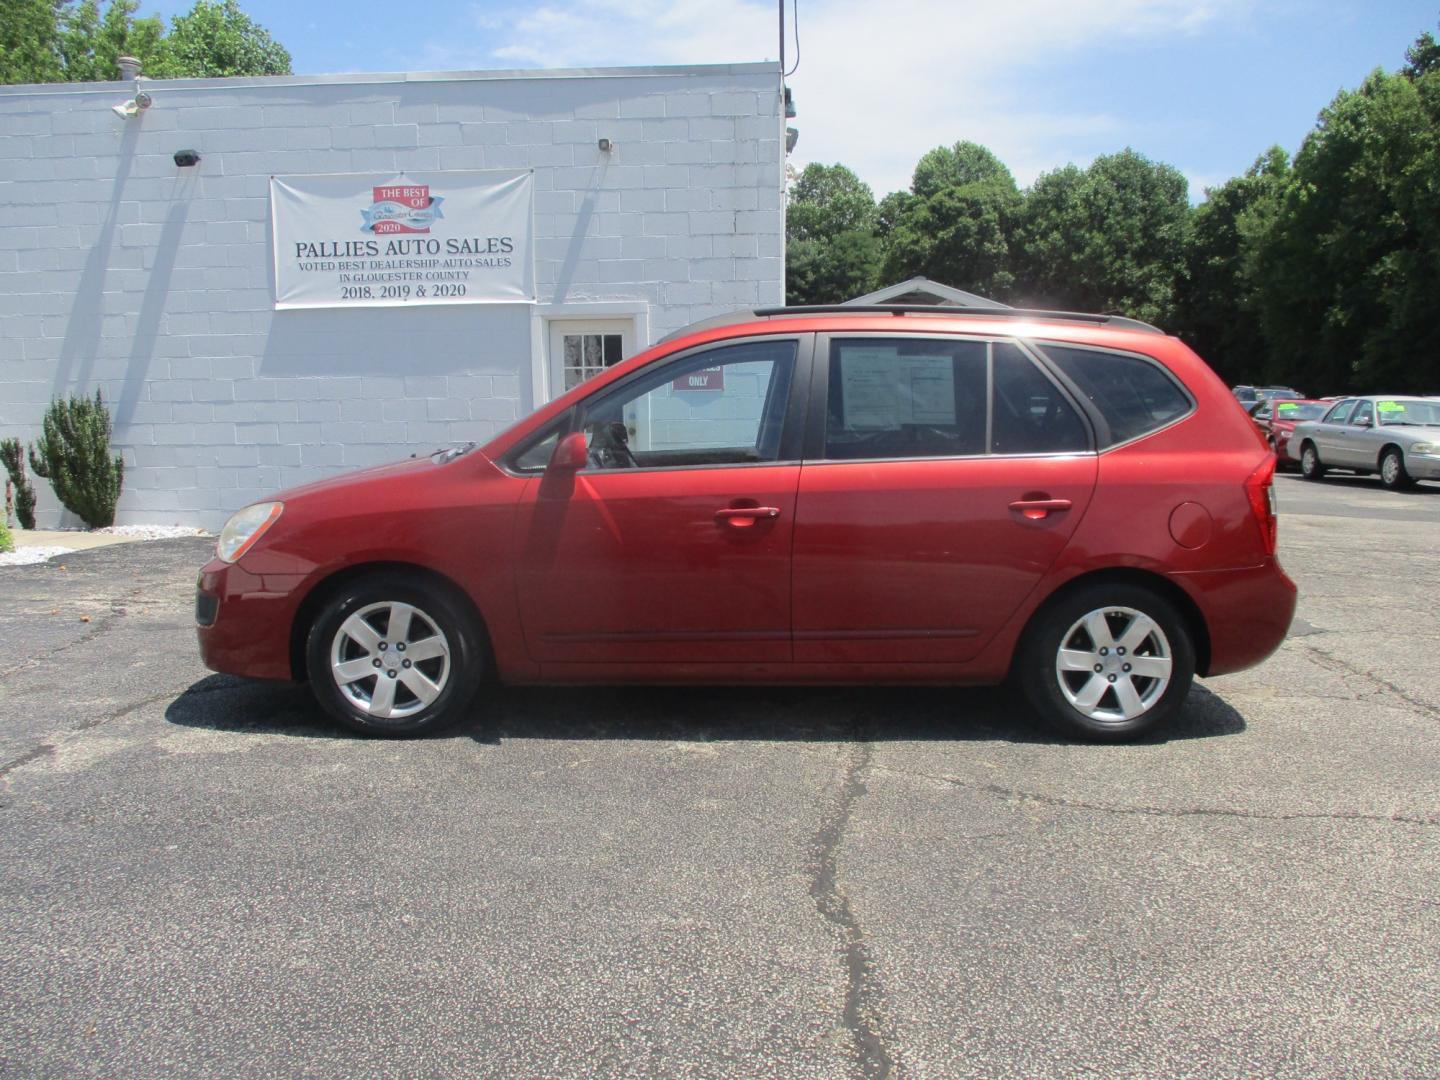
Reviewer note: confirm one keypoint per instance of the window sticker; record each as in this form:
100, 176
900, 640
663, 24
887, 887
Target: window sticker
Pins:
1289, 406
1390, 406
884, 390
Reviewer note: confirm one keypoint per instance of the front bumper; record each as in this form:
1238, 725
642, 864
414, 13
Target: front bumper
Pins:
250, 617
1423, 466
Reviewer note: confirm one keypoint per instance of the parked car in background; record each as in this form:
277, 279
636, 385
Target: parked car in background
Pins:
1276, 419
1270, 393
1246, 395
792, 495
1397, 438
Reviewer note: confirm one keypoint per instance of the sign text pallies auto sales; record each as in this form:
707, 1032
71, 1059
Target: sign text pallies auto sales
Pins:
445, 238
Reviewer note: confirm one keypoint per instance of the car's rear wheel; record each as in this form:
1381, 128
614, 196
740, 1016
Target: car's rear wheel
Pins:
389, 655
1310, 467
1393, 473
1109, 661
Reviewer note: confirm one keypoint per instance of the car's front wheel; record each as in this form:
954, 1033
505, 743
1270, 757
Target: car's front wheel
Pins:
1109, 661
1310, 467
390, 655
1393, 473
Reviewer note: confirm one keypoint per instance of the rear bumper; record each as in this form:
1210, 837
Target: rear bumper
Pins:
1247, 612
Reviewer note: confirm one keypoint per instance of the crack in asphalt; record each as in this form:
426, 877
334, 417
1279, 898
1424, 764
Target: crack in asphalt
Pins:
1335, 663
861, 1016
45, 747
99, 626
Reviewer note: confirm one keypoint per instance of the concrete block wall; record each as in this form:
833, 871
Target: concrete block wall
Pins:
123, 272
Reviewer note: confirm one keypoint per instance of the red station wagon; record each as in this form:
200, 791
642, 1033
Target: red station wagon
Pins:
796, 495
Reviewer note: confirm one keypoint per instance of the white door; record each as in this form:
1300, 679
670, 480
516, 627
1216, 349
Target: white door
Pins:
581, 348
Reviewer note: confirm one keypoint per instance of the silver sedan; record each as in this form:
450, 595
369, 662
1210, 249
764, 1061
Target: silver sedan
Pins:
1396, 437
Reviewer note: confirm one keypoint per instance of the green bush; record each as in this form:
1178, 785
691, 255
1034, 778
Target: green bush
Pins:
6, 544
74, 455
13, 459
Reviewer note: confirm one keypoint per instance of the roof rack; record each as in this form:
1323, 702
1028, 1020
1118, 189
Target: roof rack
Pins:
1118, 321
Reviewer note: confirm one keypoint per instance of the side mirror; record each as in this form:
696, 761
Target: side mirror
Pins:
1364, 421
571, 454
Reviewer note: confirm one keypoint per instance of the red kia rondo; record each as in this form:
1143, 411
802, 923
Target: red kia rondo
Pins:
796, 495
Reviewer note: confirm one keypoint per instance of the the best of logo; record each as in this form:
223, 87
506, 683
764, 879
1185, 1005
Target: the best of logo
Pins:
401, 208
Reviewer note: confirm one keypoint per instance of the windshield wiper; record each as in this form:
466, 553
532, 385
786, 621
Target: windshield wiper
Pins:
450, 453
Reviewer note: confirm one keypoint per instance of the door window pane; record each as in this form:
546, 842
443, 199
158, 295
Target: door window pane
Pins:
1363, 412
1031, 415
723, 406
586, 355
1338, 413
905, 398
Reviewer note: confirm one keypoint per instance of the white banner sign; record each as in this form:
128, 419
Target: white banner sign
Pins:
358, 240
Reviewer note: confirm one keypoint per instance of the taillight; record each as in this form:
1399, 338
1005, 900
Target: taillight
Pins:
1260, 489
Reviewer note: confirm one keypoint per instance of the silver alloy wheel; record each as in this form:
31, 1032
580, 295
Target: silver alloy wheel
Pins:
1390, 468
390, 660
1114, 664
1309, 459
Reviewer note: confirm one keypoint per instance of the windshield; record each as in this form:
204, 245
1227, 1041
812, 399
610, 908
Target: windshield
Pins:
1295, 410
1408, 411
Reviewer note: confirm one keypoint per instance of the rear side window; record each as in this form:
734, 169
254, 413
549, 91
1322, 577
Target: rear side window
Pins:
1133, 396
1031, 415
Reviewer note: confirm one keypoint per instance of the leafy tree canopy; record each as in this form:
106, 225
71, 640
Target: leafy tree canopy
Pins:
72, 41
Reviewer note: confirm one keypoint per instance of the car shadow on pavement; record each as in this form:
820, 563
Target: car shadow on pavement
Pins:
692, 713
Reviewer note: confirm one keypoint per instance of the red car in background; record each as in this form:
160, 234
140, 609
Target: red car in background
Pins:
890, 494
1277, 418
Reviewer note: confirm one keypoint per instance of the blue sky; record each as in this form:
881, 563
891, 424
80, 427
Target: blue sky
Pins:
1204, 85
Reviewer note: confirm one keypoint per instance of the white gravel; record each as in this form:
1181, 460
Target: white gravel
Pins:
152, 532
26, 555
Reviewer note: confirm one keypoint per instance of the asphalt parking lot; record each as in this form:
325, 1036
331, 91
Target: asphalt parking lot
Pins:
201, 876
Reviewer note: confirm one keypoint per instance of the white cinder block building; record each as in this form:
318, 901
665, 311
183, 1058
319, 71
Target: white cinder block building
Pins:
245, 347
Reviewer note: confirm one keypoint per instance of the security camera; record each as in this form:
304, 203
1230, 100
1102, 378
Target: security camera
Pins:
186, 158
143, 100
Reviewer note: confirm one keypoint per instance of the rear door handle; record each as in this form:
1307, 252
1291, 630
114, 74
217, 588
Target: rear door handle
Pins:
1040, 509
744, 517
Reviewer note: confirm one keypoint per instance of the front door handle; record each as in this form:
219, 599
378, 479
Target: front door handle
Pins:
1040, 509
745, 517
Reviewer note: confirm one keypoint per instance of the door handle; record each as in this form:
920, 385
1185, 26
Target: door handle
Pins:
1040, 509
745, 517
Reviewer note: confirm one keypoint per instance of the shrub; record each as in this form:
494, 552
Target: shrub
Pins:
14, 460
6, 544
74, 455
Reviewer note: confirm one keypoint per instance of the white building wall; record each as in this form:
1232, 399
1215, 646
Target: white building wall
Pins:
123, 272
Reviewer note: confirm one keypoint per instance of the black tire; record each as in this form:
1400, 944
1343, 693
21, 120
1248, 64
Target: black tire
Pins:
439, 625
1057, 626
1393, 473
1310, 467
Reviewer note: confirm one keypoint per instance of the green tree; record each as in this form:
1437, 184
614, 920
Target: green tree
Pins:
1347, 268
71, 41
215, 39
30, 42
1216, 304
954, 225
832, 252
74, 455
1108, 238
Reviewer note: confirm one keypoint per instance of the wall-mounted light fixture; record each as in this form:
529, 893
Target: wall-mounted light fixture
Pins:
605, 146
187, 158
134, 107
792, 136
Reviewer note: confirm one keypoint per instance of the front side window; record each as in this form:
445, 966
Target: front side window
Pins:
1365, 413
1338, 414
722, 406
1133, 395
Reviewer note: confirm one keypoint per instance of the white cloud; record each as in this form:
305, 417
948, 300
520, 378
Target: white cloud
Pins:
878, 83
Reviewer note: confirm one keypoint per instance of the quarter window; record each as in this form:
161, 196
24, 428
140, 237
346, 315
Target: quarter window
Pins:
1134, 396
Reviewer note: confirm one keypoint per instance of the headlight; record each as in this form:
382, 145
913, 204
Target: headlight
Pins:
244, 528
1422, 448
